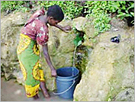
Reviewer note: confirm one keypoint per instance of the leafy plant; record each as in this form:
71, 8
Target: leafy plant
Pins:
126, 9
12, 5
80, 36
78, 40
101, 11
71, 9
97, 10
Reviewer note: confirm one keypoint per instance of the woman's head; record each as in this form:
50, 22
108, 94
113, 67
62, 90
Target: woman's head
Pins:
55, 15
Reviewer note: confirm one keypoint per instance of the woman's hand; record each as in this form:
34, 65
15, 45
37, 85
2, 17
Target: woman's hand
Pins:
53, 72
48, 60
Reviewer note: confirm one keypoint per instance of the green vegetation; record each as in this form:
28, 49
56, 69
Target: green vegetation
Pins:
9, 6
101, 11
71, 9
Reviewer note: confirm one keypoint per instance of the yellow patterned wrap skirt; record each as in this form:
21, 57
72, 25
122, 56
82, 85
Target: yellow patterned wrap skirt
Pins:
28, 55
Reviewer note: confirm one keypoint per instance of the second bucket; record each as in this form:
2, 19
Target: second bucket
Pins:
66, 81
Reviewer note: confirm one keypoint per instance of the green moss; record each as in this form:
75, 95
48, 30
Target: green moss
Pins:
82, 58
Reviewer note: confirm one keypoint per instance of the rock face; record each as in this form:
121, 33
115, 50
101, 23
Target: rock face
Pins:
107, 68
10, 30
109, 74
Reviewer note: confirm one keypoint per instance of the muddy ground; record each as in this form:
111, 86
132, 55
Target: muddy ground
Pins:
12, 91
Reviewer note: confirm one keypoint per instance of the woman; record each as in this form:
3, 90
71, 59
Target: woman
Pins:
35, 32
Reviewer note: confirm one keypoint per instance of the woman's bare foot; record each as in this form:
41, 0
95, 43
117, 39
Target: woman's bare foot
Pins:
44, 90
36, 97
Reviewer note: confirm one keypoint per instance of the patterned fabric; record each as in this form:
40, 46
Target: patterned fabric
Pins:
36, 29
36, 14
28, 55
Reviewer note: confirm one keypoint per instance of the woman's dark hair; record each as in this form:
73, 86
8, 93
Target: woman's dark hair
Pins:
56, 12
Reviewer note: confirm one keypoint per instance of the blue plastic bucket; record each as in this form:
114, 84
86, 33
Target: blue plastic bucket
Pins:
66, 81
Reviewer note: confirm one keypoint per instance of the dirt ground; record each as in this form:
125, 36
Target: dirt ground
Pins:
12, 91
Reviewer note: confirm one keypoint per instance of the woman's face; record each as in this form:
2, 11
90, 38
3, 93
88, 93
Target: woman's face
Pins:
52, 21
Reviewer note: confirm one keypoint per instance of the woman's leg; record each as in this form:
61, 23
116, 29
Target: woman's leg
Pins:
44, 89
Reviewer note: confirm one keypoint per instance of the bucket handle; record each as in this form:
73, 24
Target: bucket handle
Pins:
65, 90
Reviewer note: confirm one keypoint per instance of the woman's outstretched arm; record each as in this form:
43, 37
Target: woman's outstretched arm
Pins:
48, 60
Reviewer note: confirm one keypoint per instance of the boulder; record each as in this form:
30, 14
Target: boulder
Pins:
10, 30
110, 69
